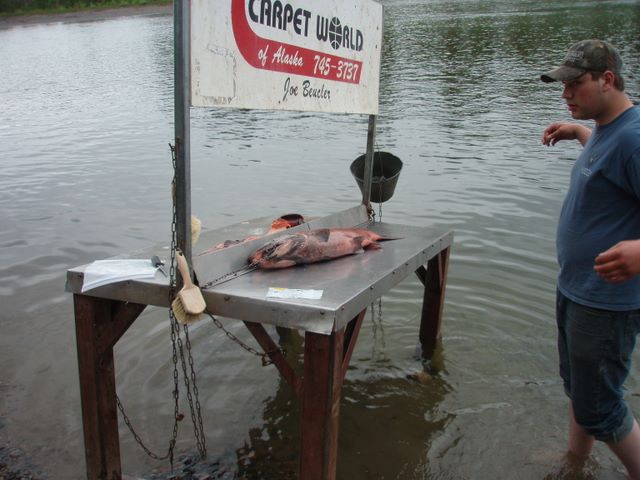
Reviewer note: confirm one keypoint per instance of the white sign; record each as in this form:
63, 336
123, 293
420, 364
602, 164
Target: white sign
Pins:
308, 55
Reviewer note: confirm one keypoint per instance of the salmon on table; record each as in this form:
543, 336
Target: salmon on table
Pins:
313, 246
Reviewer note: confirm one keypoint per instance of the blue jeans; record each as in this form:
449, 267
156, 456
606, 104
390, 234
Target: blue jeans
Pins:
595, 348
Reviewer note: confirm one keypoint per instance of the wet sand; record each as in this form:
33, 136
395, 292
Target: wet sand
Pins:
83, 15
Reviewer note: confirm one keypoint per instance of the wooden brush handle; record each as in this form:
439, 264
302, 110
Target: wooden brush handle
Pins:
183, 268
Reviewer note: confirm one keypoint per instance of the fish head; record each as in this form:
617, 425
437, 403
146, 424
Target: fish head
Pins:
269, 250
277, 253
263, 253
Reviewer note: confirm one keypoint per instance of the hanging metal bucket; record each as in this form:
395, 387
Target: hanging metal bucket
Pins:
386, 170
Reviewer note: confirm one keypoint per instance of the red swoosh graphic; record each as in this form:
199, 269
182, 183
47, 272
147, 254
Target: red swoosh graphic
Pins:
252, 47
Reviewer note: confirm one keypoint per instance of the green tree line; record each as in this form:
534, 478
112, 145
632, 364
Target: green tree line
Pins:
9, 7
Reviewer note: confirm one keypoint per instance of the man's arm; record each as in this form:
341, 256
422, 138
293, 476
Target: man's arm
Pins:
565, 131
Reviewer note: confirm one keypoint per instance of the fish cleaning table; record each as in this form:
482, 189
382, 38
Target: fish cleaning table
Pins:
326, 300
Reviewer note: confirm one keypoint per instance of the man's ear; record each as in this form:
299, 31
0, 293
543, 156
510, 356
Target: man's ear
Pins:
609, 79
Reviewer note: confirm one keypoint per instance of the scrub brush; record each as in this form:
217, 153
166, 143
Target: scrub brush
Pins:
188, 303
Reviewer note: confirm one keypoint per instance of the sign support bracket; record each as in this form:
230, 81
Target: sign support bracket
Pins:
368, 164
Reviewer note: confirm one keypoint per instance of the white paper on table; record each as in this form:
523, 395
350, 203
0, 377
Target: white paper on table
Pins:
279, 292
103, 272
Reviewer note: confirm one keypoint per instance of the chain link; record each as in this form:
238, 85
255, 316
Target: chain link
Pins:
177, 355
373, 213
265, 356
172, 320
137, 437
228, 276
189, 383
189, 380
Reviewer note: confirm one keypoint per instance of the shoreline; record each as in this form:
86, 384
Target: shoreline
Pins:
88, 15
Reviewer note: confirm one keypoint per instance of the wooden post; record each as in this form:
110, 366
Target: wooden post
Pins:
99, 325
322, 389
435, 281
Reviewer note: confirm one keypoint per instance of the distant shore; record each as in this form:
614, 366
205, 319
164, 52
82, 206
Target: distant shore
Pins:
84, 15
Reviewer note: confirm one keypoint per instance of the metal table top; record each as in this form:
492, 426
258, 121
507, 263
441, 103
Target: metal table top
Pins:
345, 286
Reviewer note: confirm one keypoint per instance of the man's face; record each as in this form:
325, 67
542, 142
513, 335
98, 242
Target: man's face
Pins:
584, 97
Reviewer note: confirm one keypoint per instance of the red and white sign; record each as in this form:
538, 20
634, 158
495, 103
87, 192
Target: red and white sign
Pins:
309, 55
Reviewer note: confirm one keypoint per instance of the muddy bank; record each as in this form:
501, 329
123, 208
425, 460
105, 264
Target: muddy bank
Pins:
14, 465
83, 16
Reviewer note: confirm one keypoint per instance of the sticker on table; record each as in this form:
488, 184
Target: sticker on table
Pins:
279, 292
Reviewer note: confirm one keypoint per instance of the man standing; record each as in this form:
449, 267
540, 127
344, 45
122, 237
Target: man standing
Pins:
598, 247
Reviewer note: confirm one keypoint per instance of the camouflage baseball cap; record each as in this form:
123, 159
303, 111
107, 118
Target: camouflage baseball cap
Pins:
585, 56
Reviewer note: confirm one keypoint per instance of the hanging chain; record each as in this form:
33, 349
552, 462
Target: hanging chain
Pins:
177, 353
266, 360
189, 380
265, 356
137, 438
172, 320
189, 383
377, 148
371, 213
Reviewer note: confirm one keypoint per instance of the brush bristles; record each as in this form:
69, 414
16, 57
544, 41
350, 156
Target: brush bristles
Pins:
192, 300
182, 316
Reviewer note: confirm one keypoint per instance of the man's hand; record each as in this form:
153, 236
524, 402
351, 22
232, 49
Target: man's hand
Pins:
620, 263
565, 131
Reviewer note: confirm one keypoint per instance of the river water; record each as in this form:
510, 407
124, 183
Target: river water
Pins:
86, 115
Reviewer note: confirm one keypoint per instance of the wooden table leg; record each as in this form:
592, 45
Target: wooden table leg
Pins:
434, 279
99, 325
322, 389
275, 354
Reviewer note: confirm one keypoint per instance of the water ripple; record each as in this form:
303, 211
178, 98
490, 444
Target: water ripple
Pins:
87, 113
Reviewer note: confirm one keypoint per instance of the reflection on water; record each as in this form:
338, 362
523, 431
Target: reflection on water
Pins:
381, 413
86, 117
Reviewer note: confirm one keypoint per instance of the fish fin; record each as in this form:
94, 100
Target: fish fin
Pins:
284, 264
323, 234
359, 244
367, 244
